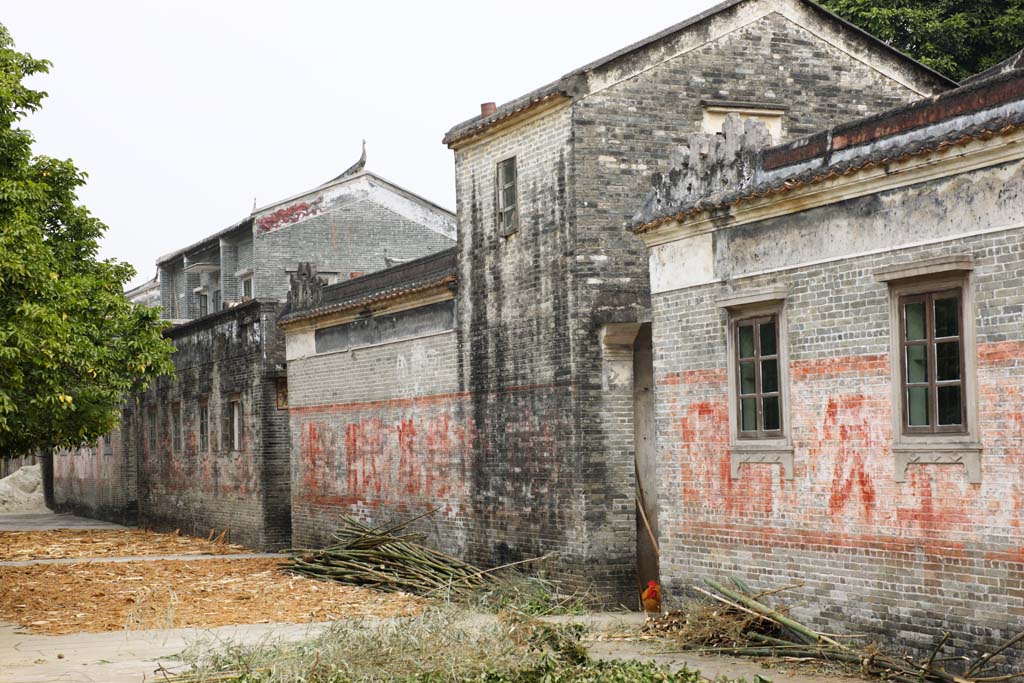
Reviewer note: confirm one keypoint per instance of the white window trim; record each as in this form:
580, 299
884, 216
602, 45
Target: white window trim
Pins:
931, 275
749, 304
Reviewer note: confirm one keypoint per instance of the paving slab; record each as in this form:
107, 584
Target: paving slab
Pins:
45, 521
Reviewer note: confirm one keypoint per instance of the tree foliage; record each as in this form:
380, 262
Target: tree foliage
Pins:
958, 38
71, 344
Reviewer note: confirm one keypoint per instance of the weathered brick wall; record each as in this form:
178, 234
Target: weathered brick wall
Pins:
97, 482
381, 433
533, 305
516, 360
236, 352
902, 561
352, 238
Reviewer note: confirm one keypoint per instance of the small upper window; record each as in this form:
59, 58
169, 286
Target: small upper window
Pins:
108, 443
151, 418
932, 360
234, 419
176, 428
247, 288
758, 393
204, 426
204, 305
714, 114
507, 202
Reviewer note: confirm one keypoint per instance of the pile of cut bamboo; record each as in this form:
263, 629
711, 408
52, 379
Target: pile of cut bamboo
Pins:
385, 559
743, 624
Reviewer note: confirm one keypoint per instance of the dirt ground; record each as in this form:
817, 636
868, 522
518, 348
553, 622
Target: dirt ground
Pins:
80, 543
107, 596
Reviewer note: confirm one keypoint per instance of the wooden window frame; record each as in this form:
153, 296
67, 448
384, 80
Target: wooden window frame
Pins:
758, 395
151, 418
247, 280
961, 447
234, 424
774, 447
506, 216
177, 429
932, 383
204, 425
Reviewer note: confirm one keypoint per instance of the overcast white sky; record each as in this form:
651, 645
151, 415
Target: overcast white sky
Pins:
183, 112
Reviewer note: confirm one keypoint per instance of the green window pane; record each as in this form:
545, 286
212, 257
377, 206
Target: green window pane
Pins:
748, 414
917, 406
509, 195
768, 346
947, 318
915, 320
950, 412
746, 341
769, 376
747, 383
947, 361
917, 363
770, 412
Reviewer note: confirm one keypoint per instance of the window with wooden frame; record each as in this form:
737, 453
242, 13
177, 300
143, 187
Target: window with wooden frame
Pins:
204, 425
932, 363
176, 428
233, 423
506, 197
151, 419
758, 385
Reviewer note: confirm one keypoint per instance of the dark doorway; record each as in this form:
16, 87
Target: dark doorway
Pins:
646, 458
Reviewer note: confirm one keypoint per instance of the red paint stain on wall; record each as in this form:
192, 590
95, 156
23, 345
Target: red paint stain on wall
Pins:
847, 425
383, 461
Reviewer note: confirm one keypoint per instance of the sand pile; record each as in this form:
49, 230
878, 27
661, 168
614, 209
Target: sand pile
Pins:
23, 491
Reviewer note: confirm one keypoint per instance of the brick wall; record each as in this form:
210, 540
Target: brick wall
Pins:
353, 238
381, 433
534, 305
901, 561
97, 481
235, 354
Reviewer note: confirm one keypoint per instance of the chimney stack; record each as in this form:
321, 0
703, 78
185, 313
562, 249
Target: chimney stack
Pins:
488, 108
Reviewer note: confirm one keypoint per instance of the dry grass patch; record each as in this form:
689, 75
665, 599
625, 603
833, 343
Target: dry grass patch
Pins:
77, 543
110, 596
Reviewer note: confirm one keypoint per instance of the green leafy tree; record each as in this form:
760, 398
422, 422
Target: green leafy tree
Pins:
958, 38
71, 344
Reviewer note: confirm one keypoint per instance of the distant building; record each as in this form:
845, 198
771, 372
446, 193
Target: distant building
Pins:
146, 294
209, 447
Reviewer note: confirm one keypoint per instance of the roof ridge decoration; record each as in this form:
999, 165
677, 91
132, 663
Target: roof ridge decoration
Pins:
354, 168
981, 109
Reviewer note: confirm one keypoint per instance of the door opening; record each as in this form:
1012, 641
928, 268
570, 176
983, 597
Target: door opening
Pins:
647, 549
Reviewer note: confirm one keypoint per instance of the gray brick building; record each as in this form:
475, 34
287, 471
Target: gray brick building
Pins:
209, 448
838, 326
540, 393
554, 304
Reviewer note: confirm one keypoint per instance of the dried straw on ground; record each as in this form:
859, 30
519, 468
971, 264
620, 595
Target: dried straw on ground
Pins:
77, 543
109, 596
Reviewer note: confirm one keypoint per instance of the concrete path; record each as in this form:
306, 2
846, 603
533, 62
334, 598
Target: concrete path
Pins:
45, 521
143, 656
119, 656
